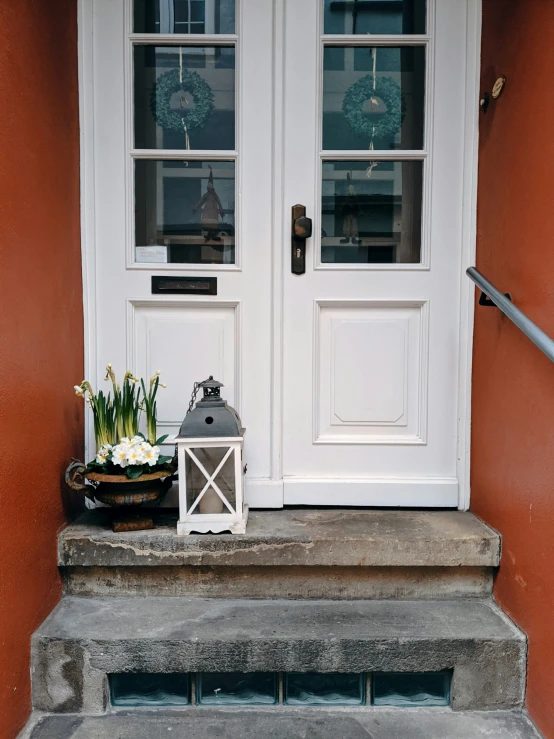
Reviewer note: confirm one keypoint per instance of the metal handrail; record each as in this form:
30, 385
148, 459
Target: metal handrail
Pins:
530, 329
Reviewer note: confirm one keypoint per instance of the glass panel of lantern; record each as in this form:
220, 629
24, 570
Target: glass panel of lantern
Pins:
219, 463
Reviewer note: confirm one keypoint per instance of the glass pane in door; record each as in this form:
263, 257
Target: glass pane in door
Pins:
371, 212
184, 16
373, 96
184, 97
375, 16
184, 211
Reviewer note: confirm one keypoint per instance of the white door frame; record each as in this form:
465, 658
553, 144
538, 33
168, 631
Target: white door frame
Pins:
268, 492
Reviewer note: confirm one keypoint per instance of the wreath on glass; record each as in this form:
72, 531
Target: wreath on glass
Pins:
373, 88
174, 81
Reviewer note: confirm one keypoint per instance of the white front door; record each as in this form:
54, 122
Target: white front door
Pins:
204, 123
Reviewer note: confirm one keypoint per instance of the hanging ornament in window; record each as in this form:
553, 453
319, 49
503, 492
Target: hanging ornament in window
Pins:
183, 121
211, 211
350, 212
375, 89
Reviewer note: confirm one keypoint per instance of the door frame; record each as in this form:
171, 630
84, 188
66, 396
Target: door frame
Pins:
268, 492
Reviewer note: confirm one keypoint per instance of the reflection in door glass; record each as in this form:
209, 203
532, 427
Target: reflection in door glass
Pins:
373, 96
371, 212
184, 97
185, 211
375, 16
184, 16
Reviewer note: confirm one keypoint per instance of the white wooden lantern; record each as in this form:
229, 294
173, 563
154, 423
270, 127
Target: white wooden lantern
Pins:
209, 451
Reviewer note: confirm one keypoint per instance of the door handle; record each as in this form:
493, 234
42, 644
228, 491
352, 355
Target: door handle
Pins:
301, 230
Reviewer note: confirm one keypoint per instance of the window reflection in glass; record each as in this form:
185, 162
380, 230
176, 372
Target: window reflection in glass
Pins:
375, 16
361, 108
371, 212
184, 97
185, 211
184, 16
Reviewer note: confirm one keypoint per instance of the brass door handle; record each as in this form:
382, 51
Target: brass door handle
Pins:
301, 230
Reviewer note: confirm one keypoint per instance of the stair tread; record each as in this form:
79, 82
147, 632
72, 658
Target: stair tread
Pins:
287, 724
214, 620
93, 637
326, 537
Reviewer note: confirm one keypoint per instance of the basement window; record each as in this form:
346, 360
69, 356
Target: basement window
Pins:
398, 689
149, 689
235, 688
410, 689
316, 689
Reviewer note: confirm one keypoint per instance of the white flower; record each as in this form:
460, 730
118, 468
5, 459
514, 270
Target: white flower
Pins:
103, 452
135, 454
79, 391
119, 455
137, 440
151, 454
125, 441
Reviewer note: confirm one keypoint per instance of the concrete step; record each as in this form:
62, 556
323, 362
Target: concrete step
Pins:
85, 639
286, 724
293, 553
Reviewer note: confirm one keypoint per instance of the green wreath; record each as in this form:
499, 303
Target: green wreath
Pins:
166, 86
389, 92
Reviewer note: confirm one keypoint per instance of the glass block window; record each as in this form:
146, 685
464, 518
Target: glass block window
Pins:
235, 688
313, 689
411, 689
149, 689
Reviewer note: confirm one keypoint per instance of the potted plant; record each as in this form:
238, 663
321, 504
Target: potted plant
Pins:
129, 468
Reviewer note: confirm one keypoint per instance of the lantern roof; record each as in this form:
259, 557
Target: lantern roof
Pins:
212, 416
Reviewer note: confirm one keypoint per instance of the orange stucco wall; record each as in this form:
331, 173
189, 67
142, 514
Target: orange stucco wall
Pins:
513, 382
41, 322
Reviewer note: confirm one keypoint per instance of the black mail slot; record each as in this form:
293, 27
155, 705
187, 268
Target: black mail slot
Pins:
184, 285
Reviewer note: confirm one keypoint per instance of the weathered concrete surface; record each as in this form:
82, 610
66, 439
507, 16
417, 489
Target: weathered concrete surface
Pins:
93, 637
292, 537
333, 583
286, 724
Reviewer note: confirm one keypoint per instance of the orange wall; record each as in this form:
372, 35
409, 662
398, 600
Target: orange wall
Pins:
41, 322
513, 382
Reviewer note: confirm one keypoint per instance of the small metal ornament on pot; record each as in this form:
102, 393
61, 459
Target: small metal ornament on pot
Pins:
209, 451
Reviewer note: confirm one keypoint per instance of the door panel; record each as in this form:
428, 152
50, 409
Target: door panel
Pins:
370, 372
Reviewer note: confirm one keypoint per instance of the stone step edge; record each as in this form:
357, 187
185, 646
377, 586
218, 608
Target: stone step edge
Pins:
271, 582
380, 723
292, 538
85, 639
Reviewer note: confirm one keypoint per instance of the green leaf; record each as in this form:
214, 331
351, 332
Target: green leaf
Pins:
164, 459
161, 439
94, 465
134, 471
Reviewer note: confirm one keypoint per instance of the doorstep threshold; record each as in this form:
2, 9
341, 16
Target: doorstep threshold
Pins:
290, 537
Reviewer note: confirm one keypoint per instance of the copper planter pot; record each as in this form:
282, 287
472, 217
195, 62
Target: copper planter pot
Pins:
117, 490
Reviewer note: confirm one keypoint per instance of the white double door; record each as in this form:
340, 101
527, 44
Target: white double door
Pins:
347, 377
